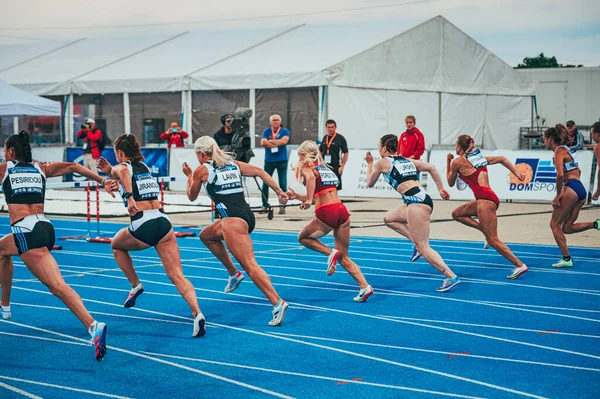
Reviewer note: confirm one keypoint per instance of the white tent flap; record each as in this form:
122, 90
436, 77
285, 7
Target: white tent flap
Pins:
16, 102
462, 114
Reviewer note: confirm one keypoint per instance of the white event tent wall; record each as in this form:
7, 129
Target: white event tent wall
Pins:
369, 75
564, 94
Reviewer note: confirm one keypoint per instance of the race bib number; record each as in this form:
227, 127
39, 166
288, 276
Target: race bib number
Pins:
26, 183
477, 159
405, 168
327, 158
328, 178
274, 150
228, 181
147, 186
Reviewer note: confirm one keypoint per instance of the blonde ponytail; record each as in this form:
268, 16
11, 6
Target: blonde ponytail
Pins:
312, 157
208, 145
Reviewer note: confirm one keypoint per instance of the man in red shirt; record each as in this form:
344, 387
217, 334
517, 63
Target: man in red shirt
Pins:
91, 152
411, 143
174, 136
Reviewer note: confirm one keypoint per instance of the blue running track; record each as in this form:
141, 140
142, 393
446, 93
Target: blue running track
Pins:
489, 337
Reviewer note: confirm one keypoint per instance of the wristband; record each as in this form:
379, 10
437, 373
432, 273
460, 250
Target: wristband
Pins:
127, 195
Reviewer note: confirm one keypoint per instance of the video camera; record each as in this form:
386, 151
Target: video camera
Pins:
241, 144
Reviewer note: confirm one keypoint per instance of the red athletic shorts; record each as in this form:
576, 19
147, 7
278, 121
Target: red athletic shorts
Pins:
333, 214
487, 193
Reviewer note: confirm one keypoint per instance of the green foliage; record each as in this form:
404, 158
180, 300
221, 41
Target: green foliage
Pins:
541, 61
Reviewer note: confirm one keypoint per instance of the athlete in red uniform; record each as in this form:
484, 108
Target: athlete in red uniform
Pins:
471, 167
330, 215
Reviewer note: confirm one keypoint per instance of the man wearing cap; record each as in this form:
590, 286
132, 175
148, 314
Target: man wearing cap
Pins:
91, 135
577, 140
224, 135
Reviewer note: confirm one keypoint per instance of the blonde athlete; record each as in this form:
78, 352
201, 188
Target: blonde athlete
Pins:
330, 214
222, 178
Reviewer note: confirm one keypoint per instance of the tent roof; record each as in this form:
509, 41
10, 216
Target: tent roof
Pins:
434, 56
16, 102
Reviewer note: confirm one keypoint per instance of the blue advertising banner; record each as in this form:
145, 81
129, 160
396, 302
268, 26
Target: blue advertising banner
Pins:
157, 160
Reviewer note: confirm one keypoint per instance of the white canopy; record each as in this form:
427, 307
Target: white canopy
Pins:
16, 102
434, 56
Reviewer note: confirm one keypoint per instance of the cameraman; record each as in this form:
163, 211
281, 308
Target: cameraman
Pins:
91, 152
174, 136
224, 135
274, 140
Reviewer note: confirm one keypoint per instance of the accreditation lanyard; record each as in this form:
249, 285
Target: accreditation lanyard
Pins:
329, 142
275, 133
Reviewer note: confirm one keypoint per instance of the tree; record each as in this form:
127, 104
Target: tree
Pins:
541, 61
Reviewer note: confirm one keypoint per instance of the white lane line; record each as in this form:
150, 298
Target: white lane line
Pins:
141, 355
419, 325
394, 249
106, 395
313, 376
477, 382
491, 337
379, 290
19, 391
405, 348
495, 327
381, 360
42, 338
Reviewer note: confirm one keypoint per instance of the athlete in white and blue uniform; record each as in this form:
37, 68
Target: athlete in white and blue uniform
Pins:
222, 177
570, 193
32, 237
411, 219
149, 226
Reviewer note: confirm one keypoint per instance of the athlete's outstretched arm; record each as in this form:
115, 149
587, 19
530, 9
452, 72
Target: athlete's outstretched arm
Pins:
64, 168
253, 171
435, 174
507, 164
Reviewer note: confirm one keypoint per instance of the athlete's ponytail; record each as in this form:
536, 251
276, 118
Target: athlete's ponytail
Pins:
558, 134
312, 156
209, 146
466, 143
20, 145
130, 146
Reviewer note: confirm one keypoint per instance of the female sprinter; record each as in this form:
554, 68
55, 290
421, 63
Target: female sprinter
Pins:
149, 227
32, 237
330, 214
570, 193
471, 167
411, 219
222, 177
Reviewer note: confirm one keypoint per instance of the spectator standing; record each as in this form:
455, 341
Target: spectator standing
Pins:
411, 144
577, 140
91, 136
275, 140
224, 135
334, 150
174, 136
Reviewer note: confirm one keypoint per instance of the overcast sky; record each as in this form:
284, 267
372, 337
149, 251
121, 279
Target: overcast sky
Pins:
512, 29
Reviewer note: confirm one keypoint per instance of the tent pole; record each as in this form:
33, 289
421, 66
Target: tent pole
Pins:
126, 113
439, 117
321, 118
70, 121
15, 125
252, 106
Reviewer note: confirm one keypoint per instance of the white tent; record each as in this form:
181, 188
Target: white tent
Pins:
370, 75
16, 102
